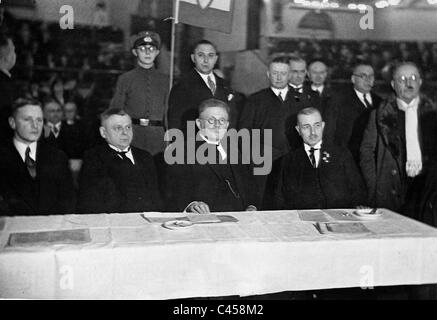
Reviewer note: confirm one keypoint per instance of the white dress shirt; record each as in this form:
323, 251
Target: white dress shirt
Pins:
298, 88
205, 78
22, 147
318, 146
220, 148
360, 96
128, 151
319, 88
283, 92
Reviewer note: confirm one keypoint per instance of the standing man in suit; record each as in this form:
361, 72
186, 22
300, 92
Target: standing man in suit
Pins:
211, 186
7, 90
142, 93
198, 85
318, 175
301, 96
399, 143
117, 177
317, 73
35, 176
271, 109
348, 117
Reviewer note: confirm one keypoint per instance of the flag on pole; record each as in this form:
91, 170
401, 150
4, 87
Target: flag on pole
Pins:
209, 14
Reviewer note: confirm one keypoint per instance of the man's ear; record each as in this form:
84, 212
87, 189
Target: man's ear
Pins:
11, 121
192, 58
392, 83
134, 53
198, 124
323, 125
297, 129
102, 132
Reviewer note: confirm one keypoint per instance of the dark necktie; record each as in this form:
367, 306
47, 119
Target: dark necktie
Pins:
366, 101
55, 130
30, 163
313, 158
211, 85
123, 156
280, 97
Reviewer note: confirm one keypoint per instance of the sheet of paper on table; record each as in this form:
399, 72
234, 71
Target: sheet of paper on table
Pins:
342, 228
27, 239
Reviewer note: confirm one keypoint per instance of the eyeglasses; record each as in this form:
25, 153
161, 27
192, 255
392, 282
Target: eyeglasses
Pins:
214, 121
364, 76
403, 79
146, 48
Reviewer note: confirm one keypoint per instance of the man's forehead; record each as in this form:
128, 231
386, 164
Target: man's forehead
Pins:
317, 67
118, 119
205, 48
364, 69
298, 65
406, 71
214, 112
30, 109
279, 66
52, 106
304, 119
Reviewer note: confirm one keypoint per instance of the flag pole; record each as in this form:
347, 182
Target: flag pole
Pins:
175, 21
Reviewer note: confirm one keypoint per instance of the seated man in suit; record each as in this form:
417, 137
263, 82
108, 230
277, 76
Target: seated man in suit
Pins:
318, 175
35, 176
210, 186
116, 177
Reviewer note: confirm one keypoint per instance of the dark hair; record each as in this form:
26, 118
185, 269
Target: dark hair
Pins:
317, 60
22, 102
201, 42
111, 112
280, 59
211, 103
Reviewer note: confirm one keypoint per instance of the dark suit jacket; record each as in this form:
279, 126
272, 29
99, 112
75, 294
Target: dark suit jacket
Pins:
52, 192
188, 93
101, 186
72, 139
336, 183
346, 120
185, 183
7, 96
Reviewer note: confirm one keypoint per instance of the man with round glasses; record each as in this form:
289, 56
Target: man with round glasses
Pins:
399, 142
142, 93
347, 117
212, 181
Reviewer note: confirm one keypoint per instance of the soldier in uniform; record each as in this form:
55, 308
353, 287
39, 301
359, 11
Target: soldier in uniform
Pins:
142, 93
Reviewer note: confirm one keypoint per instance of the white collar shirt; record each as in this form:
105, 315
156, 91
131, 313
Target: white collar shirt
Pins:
22, 147
318, 146
128, 151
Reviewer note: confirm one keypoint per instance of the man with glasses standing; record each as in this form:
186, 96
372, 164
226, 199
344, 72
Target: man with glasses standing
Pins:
348, 115
199, 84
400, 142
142, 93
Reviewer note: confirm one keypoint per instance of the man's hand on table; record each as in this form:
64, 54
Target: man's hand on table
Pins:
198, 207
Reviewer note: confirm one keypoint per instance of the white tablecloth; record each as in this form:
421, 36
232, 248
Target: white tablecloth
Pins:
128, 257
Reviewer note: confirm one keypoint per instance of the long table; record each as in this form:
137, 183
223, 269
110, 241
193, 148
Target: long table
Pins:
125, 256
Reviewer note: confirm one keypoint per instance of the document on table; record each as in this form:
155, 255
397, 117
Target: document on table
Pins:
342, 228
30, 239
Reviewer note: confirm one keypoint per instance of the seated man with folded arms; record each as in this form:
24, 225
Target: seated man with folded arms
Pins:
318, 175
117, 177
35, 179
209, 186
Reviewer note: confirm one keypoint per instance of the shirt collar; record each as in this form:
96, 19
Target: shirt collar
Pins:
282, 91
22, 147
316, 146
6, 72
205, 76
220, 148
127, 150
402, 105
319, 88
296, 87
